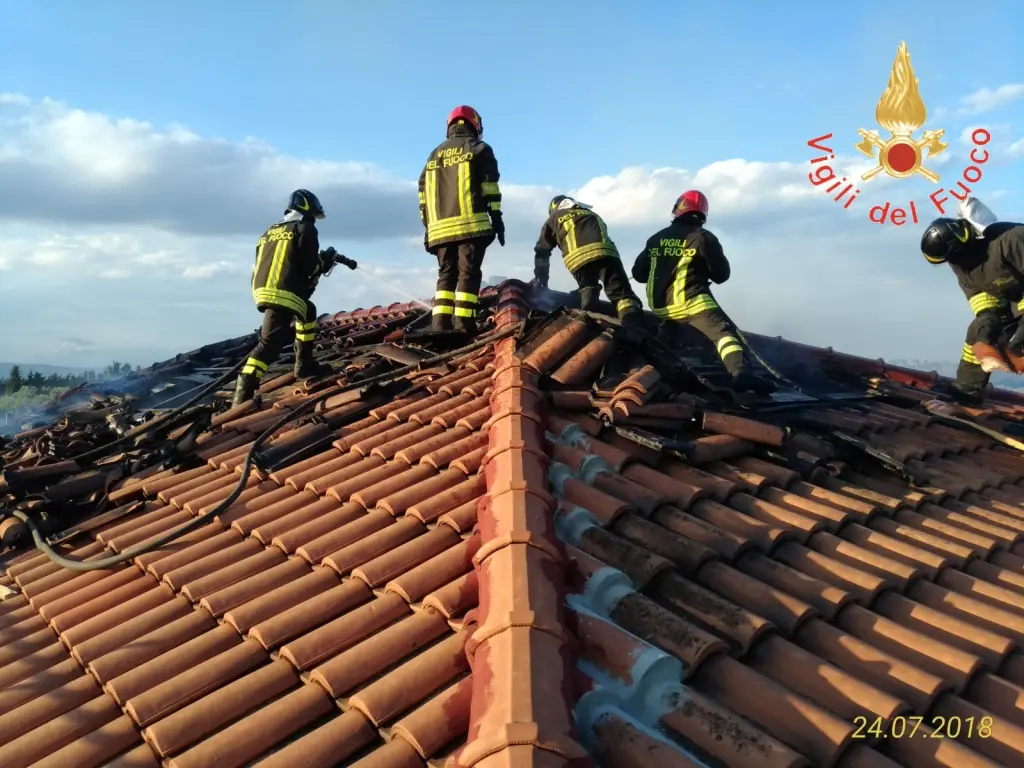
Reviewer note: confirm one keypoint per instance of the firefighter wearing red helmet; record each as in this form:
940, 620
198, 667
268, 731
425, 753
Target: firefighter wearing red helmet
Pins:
460, 207
678, 264
987, 257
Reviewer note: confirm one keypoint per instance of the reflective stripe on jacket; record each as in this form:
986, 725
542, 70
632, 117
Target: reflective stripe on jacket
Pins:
580, 234
458, 189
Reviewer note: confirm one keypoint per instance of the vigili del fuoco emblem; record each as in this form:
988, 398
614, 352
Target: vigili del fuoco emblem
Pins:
901, 112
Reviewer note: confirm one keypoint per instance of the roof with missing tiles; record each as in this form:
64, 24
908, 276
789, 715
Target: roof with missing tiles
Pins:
562, 548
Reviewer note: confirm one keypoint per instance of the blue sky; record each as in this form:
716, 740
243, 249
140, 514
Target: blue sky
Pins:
569, 93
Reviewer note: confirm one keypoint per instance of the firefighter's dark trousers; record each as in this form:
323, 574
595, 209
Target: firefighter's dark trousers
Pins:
611, 274
458, 283
970, 378
721, 331
274, 335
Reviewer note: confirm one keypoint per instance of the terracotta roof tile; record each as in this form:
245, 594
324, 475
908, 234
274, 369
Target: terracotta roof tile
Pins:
649, 578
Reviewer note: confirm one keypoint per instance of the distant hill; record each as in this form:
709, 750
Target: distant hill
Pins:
46, 370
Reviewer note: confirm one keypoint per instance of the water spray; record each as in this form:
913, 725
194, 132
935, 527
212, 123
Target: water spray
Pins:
395, 288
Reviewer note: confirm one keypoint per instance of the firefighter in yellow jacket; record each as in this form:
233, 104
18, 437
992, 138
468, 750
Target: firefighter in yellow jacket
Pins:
590, 256
460, 206
289, 264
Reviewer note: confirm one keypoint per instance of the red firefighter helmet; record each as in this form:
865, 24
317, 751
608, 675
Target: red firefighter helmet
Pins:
691, 201
470, 115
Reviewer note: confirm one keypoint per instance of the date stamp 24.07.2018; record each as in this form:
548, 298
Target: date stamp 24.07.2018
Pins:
935, 727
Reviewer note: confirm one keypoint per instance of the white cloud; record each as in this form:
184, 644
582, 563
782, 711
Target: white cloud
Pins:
209, 270
1016, 149
987, 99
148, 238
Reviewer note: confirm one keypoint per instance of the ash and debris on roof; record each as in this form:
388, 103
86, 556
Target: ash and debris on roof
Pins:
566, 544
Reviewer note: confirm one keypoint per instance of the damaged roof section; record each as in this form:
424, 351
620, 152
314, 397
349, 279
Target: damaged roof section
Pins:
568, 545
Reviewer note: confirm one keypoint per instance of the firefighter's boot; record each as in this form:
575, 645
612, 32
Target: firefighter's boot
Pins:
307, 366
960, 393
744, 381
245, 388
440, 322
466, 325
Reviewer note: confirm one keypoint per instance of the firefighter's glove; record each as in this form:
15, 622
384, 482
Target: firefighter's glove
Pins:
541, 273
345, 261
499, 227
1016, 342
326, 261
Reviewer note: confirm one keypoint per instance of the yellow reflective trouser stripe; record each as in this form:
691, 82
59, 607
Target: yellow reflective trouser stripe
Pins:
700, 303
968, 355
1020, 305
305, 331
728, 345
574, 259
423, 198
981, 301
469, 298
254, 367
623, 304
494, 205
443, 308
279, 298
465, 312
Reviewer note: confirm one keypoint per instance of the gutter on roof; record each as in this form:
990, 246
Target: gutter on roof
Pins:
520, 650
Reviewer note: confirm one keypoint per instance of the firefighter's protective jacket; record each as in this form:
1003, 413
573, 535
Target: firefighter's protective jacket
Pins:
678, 264
991, 275
287, 264
458, 189
579, 233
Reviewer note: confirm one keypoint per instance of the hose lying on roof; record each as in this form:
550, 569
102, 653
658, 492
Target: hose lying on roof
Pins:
96, 453
200, 520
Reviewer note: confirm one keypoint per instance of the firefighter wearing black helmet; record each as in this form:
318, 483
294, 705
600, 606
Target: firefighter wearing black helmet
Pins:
989, 266
589, 255
460, 207
289, 264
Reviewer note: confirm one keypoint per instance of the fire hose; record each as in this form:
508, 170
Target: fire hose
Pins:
247, 466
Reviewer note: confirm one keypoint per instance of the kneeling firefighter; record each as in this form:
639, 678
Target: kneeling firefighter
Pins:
589, 255
460, 207
289, 264
678, 264
987, 257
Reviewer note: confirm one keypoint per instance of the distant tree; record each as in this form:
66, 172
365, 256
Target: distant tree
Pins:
14, 380
35, 379
113, 369
126, 368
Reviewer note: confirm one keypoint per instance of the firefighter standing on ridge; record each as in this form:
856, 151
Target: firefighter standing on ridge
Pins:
589, 255
678, 264
288, 267
460, 207
987, 257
